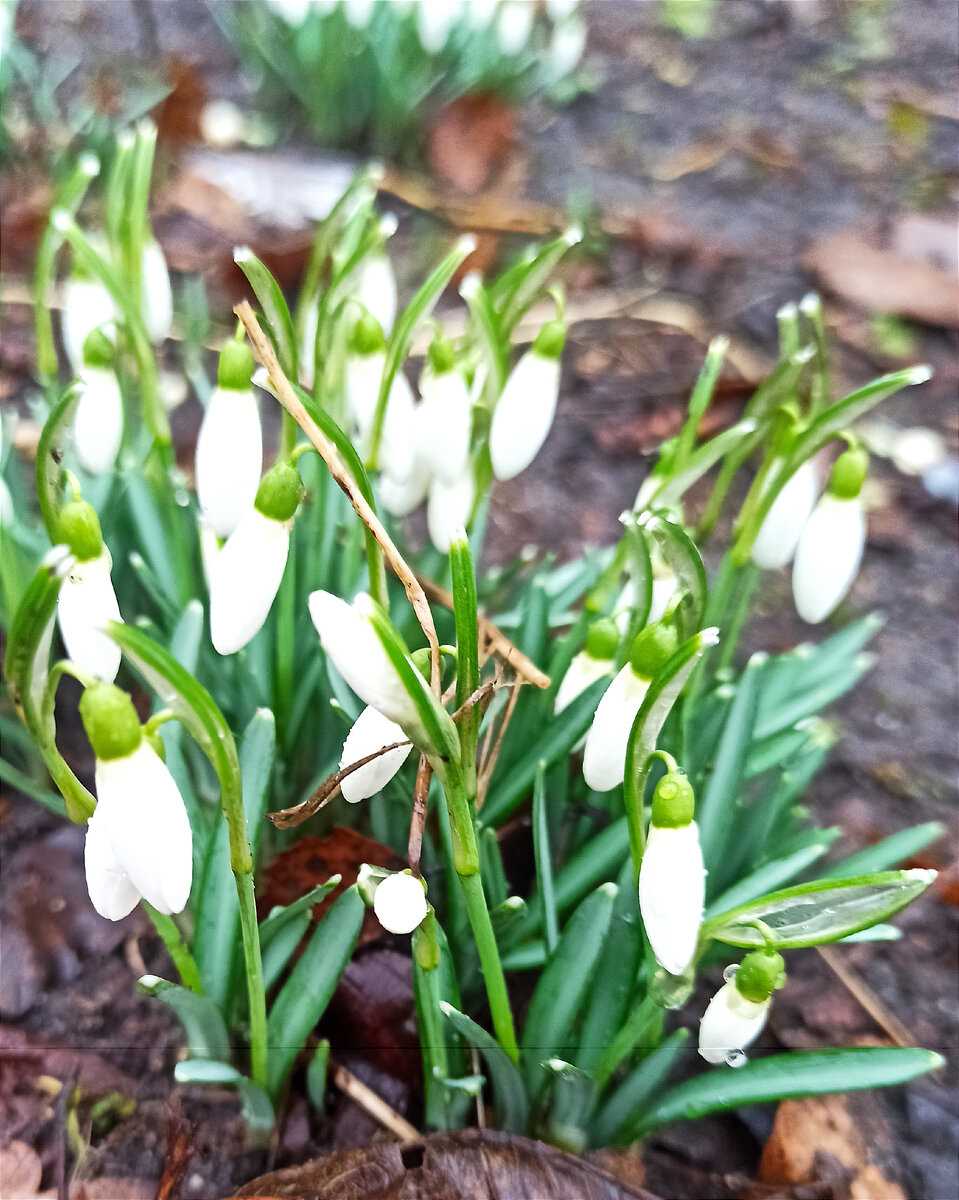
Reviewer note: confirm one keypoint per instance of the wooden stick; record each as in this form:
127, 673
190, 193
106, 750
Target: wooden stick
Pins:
421, 791
373, 1104
888, 1022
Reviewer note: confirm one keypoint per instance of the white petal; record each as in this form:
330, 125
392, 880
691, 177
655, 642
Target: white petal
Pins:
730, 1023
605, 758
434, 22
375, 288
402, 497
85, 604
111, 892
672, 891
209, 549
229, 458
245, 578
400, 903
98, 422
357, 653
362, 377
664, 588
779, 533
358, 12
566, 46
828, 556
524, 414
400, 426
582, 671
514, 24
87, 305
141, 812
308, 346
445, 417
371, 731
448, 509
157, 293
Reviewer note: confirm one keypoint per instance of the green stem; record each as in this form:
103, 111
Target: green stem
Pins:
736, 613
177, 949
639, 1028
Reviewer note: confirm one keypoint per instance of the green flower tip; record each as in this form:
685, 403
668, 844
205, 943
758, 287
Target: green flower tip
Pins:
441, 356
98, 350
652, 647
550, 340
366, 337
674, 801
80, 530
110, 720
602, 639
849, 473
236, 366
279, 493
760, 974
426, 947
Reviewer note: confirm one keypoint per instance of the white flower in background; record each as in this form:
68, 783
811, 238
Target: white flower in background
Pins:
308, 346
524, 413
514, 24
400, 498
209, 549
292, 11
246, 573
98, 419
434, 22
663, 591
139, 842
832, 541
400, 903
566, 47
229, 448
87, 600
604, 760
445, 415
779, 533
365, 361
371, 731
478, 14
87, 305
448, 509
157, 293
374, 286
349, 639
594, 661
559, 10
737, 1013
672, 878
358, 12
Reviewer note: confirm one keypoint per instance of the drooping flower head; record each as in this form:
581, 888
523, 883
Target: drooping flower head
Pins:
593, 662
370, 733
445, 413
524, 412
98, 420
782, 527
87, 600
400, 902
737, 1013
365, 363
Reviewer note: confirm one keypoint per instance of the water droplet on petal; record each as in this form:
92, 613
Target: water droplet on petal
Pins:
735, 1058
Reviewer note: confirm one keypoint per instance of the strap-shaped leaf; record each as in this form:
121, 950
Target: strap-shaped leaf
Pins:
783, 1076
897, 848
442, 1050
517, 289
676, 485
281, 948
700, 399
275, 308
623, 1111
509, 1092
544, 861
681, 556
770, 875
202, 1021
256, 1106
568, 1099
811, 914
278, 917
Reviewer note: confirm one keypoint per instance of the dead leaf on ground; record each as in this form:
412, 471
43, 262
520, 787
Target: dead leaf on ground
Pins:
20, 1171
883, 281
371, 1012
470, 140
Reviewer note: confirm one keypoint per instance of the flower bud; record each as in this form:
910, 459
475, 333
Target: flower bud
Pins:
374, 286
157, 300
828, 555
98, 419
737, 1013
435, 21
445, 418
87, 602
400, 902
87, 306
652, 648
80, 530
110, 721
229, 448
524, 413
782, 526
594, 662
279, 494
448, 509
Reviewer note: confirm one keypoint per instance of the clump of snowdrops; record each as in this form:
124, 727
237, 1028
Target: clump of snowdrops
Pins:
306, 662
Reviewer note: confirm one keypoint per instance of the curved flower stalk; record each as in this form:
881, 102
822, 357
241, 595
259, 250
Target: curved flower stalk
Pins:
832, 541
399, 902
246, 573
371, 732
157, 297
782, 526
229, 448
737, 1013
524, 413
595, 661
445, 414
604, 759
87, 600
448, 509
139, 843
672, 878
98, 421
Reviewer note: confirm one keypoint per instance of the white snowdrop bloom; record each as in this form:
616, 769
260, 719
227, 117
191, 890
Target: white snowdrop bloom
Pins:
445, 419
157, 293
401, 497
374, 285
139, 842
514, 24
222, 124
246, 573
98, 420
434, 22
559, 10
86, 603
229, 448
779, 533
400, 903
400, 424
358, 12
308, 346
292, 11
362, 376
6, 504
365, 360
524, 413
828, 556
566, 46
87, 305
349, 639
448, 509
209, 549
672, 878
594, 661
737, 1013
478, 14
371, 731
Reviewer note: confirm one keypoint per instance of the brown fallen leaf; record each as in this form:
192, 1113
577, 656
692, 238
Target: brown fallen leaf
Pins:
883, 281
20, 1171
470, 140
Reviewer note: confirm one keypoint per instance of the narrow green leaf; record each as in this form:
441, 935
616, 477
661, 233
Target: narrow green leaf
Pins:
50, 448
282, 946
675, 486
441, 1049
892, 850
700, 400
770, 875
202, 1021
811, 700
316, 1075
256, 1107
509, 1092
275, 308
569, 1095
524, 283
682, 557
623, 1111
544, 861
273, 924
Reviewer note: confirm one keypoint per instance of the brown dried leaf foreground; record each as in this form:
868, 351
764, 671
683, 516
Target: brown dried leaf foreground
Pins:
476, 1163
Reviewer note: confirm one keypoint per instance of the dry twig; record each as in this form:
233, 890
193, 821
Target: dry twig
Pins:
888, 1022
373, 1104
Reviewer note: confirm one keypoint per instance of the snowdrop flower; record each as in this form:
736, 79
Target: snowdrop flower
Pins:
737, 1013
374, 286
157, 294
566, 46
779, 533
514, 24
349, 638
832, 541
229, 449
445, 414
98, 420
593, 662
308, 346
400, 498
371, 731
366, 358
559, 10
292, 11
358, 12
139, 843
434, 22
448, 509
87, 305
400, 902
604, 760
525, 411
246, 573
87, 600
672, 878
478, 14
